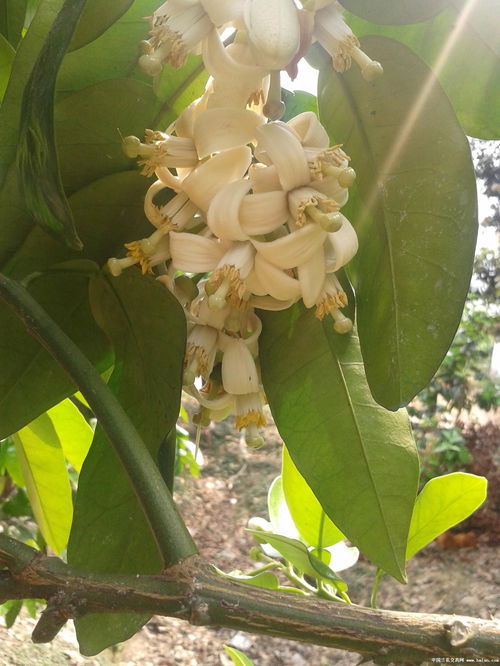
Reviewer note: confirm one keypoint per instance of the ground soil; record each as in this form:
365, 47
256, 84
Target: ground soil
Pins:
231, 488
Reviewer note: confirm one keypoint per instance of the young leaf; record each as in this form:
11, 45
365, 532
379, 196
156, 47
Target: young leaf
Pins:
443, 502
395, 12
239, 659
314, 526
266, 579
415, 216
464, 37
359, 459
73, 431
302, 559
110, 534
46, 479
37, 161
31, 381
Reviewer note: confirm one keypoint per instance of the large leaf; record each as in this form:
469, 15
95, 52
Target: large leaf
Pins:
112, 55
395, 12
108, 213
96, 18
359, 459
462, 39
308, 515
31, 381
27, 52
37, 159
46, 479
74, 433
415, 218
91, 124
12, 13
443, 502
110, 533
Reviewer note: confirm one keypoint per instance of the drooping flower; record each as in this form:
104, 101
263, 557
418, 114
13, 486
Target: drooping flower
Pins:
273, 31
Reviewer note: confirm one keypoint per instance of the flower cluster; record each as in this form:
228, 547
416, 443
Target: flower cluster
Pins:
252, 215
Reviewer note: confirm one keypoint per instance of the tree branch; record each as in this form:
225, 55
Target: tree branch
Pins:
194, 592
168, 528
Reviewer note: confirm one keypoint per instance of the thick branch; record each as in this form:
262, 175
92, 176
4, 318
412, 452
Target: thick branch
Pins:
194, 592
173, 539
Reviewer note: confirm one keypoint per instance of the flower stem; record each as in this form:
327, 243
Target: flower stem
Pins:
171, 534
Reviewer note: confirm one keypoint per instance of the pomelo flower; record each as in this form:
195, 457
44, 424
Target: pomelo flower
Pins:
273, 31
333, 33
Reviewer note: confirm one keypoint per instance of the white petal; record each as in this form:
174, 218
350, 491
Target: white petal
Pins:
273, 30
286, 153
208, 178
330, 186
263, 212
193, 253
342, 556
341, 246
241, 256
239, 373
278, 284
219, 129
254, 285
294, 249
311, 277
311, 131
223, 11
223, 213
270, 303
264, 178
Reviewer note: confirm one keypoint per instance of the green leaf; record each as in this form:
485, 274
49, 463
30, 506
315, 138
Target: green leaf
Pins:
113, 55
297, 102
37, 160
302, 559
395, 12
10, 111
90, 126
359, 459
266, 579
110, 534
239, 659
74, 433
12, 13
443, 502
415, 215
7, 54
46, 479
96, 18
177, 88
31, 381
10, 610
463, 38
308, 515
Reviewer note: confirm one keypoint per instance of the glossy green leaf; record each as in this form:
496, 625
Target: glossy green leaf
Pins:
10, 111
6, 58
279, 513
415, 215
463, 38
90, 126
304, 560
113, 55
395, 12
177, 88
37, 160
46, 480
239, 659
263, 579
96, 18
31, 381
443, 502
74, 433
110, 534
359, 459
308, 515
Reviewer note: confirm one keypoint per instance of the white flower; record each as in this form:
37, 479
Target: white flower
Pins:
333, 33
147, 252
200, 353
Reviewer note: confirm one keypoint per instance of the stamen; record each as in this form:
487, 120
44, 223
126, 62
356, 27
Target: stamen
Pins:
229, 289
